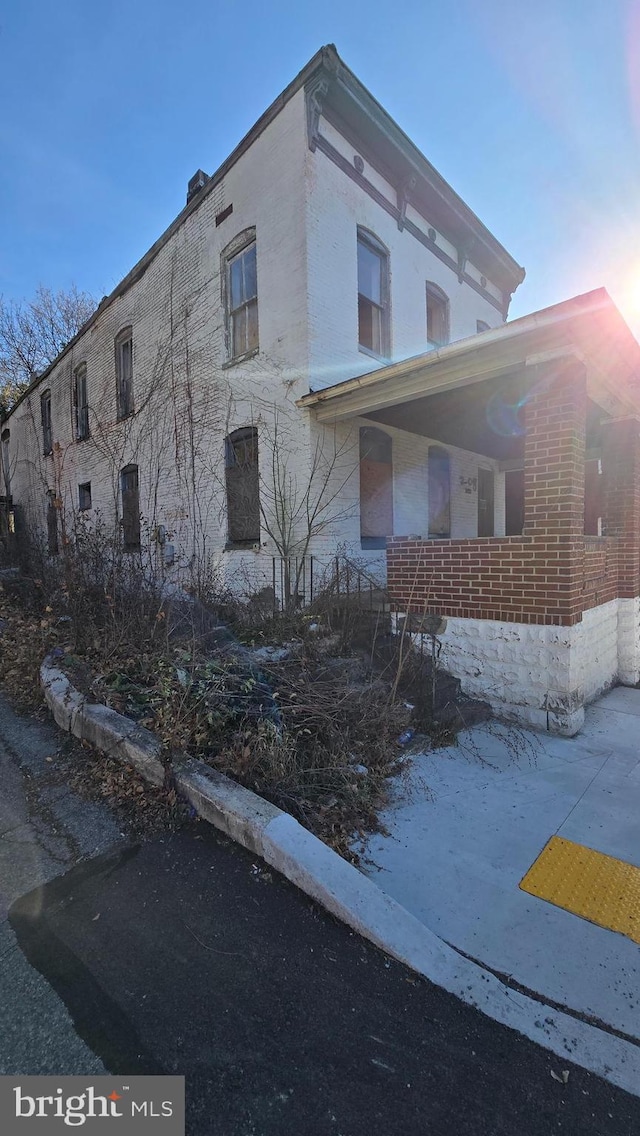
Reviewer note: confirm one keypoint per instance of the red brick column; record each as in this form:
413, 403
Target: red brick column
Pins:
554, 449
554, 452
621, 498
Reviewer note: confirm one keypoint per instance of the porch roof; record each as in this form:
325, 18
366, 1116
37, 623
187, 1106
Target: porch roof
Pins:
417, 394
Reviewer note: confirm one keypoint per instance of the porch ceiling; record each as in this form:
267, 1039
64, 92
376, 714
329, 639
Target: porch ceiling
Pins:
482, 418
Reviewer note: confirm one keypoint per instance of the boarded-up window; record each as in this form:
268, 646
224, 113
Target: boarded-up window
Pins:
52, 525
130, 490
243, 491
439, 492
45, 413
124, 372
376, 487
592, 497
485, 502
81, 402
514, 501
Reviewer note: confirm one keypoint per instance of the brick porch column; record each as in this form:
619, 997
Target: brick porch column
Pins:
621, 519
554, 449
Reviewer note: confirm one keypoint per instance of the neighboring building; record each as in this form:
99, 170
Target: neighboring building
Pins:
314, 357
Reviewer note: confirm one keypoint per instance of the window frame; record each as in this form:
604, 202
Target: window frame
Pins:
47, 422
124, 407
130, 523
482, 326
5, 460
369, 241
435, 293
235, 537
375, 447
84, 496
241, 244
81, 408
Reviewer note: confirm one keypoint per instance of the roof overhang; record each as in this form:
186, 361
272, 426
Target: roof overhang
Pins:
588, 328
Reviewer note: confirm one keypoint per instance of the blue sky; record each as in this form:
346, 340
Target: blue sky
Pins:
531, 112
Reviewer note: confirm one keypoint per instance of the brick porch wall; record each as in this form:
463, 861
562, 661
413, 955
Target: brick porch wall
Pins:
552, 573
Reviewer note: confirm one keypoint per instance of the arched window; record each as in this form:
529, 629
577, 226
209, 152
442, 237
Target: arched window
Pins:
124, 372
376, 487
437, 316
240, 293
243, 491
481, 325
81, 401
45, 414
6, 468
439, 478
373, 294
130, 490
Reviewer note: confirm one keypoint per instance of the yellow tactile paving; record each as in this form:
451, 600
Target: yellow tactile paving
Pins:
599, 888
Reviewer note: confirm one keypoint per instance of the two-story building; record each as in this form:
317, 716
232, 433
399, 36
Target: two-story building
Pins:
313, 357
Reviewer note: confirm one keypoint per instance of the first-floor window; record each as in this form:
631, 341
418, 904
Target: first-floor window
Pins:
376, 487
52, 524
243, 489
84, 495
130, 491
439, 477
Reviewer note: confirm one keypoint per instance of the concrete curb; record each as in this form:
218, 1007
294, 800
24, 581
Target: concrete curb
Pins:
339, 887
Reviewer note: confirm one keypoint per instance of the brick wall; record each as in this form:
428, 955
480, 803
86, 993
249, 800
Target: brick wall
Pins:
552, 573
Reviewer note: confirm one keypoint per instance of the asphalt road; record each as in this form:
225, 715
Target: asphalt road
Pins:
184, 954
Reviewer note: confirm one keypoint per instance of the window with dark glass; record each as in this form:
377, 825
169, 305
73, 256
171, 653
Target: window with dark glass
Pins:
437, 316
52, 524
373, 295
130, 491
376, 487
84, 495
45, 411
481, 326
6, 468
81, 402
243, 491
243, 301
124, 372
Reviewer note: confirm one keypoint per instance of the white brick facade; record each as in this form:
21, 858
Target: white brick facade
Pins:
305, 212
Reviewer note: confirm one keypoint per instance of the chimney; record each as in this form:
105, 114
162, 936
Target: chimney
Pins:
196, 183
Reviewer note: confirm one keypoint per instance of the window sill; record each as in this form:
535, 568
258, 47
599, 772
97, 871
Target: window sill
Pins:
123, 417
85, 437
240, 358
373, 354
433, 346
242, 546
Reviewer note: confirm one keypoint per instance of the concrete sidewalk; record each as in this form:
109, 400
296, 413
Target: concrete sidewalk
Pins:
466, 824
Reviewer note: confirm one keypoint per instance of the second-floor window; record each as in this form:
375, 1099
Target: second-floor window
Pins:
124, 372
242, 293
45, 412
373, 295
81, 402
437, 316
6, 468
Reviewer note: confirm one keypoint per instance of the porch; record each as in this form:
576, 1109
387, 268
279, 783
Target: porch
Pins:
543, 612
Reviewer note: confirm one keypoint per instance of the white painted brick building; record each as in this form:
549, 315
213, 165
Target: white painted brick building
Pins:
324, 169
